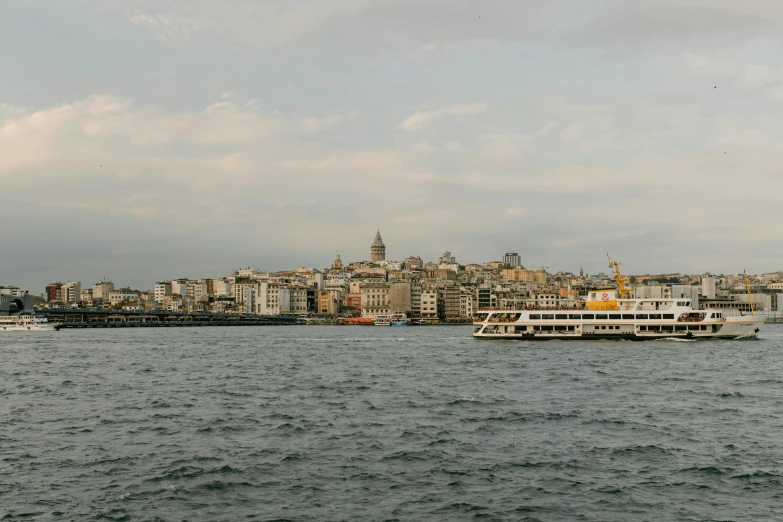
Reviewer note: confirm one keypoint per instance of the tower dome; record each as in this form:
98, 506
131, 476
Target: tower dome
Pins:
378, 249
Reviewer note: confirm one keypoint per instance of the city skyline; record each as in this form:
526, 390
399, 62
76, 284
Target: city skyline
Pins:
370, 257
141, 140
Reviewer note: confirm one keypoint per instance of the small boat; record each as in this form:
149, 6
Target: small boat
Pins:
399, 320
382, 320
23, 323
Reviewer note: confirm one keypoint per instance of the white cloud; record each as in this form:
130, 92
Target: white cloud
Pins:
573, 131
421, 118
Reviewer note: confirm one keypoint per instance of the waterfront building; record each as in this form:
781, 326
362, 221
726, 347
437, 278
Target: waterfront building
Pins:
327, 304
100, 291
429, 304
71, 292
162, 289
353, 302
238, 290
377, 249
273, 299
298, 300
122, 295
53, 292
85, 296
415, 300
465, 305
450, 303
400, 298
179, 287
222, 288
375, 299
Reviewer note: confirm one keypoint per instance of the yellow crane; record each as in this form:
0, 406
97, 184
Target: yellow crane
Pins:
620, 281
747, 287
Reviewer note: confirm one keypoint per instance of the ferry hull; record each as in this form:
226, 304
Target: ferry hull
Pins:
35, 328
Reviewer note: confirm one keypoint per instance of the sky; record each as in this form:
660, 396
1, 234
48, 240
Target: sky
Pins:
143, 140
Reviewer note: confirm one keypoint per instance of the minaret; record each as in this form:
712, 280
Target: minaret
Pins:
377, 249
338, 263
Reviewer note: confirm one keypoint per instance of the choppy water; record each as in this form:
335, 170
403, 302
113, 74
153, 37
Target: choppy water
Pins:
367, 423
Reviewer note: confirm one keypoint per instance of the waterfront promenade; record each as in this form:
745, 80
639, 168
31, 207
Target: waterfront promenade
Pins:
86, 318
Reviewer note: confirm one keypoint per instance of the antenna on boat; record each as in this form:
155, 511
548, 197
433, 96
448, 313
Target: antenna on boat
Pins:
747, 287
620, 281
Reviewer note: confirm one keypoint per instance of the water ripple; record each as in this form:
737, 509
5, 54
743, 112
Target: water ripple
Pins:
354, 423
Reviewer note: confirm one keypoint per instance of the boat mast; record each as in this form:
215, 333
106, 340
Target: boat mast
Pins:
618, 277
747, 287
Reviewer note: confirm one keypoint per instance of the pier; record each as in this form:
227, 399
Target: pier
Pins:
82, 318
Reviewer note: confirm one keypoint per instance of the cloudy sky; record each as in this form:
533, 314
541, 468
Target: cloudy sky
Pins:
151, 139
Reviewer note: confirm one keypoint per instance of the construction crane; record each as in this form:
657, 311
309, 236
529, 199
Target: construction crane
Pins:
620, 281
747, 287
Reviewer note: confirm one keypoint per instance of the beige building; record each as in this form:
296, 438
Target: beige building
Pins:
327, 304
466, 305
429, 304
101, 290
522, 274
400, 298
298, 300
71, 292
375, 299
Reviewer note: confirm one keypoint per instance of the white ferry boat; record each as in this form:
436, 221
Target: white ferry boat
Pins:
607, 314
20, 323
382, 320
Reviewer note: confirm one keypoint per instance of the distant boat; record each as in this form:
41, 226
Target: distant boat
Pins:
23, 323
382, 320
399, 320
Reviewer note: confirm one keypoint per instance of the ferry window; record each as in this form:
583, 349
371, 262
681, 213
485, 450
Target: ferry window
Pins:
641, 316
627, 316
574, 316
588, 316
668, 316
603, 328
655, 316
547, 316
614, 316
535, 316
600, 316
702, 327
561, 316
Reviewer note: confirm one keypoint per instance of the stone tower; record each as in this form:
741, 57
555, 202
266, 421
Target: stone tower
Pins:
377, 249
338, 263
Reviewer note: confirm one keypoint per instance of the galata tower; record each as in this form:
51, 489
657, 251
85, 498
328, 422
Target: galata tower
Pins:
378, 249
